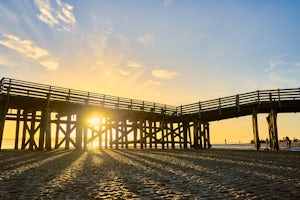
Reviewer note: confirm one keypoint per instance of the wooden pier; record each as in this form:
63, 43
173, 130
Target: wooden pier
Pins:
49, 117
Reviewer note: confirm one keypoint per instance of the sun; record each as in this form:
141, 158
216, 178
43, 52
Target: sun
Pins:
94, 121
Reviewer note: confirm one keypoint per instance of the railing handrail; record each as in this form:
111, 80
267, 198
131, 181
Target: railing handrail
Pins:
255, 97
54, 93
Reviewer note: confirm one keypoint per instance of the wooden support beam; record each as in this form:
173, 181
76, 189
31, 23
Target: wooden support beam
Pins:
17, 129
155, 135
117, 135
68, 132
111, 134
106, 133
57, 131
150, 133
273, 134
79, 125
141, 127
85, 134
134, 133
162, 127
48, 129
185, 134
100, 133
3, 112
255, 130
32, 131
172, 136
196, 135
208, 135
125, 133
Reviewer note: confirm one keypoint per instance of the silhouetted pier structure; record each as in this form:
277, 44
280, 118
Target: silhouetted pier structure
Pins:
46, 114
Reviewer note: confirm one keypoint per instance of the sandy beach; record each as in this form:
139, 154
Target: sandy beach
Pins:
149, 174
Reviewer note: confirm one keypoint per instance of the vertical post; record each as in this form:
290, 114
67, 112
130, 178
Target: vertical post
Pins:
57, 130
220, 112
42, 131
172, 136
125, 132
141, 133
111, 133
201, 134
25, 127
106, 133
155, 136
79, 123
273, 134
85, 134
200, 110
185, 134
255, 130
117, 134
162, 126
208, 136
100, 133
17, 129
68, 132
150, 133
32, 130
134, 132
48, 129
237, 102
196, 130
3, 112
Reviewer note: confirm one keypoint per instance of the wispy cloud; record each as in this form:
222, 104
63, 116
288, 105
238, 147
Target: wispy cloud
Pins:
123, 72
146, 39
150, 82
133, 64
29, 49
56, 14
275, 64
164, 74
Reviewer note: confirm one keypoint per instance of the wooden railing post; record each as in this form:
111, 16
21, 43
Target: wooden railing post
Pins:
200, 110
220, 112
237, 102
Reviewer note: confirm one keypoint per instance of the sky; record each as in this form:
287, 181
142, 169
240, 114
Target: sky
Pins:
168, 51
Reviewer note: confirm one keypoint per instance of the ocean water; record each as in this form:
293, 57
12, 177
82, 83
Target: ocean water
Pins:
250, 147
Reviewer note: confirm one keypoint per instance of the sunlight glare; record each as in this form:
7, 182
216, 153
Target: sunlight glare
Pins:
94, 121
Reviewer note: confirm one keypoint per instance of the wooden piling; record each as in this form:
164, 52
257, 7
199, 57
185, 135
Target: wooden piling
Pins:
255, 130
3, 112
17, 129
273, 134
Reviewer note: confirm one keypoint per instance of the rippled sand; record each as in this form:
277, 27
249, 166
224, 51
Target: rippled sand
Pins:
149, 174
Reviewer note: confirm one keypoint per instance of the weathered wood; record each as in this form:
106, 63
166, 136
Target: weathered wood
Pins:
100, 132
17, 129
79, 129
3, 112
57, 131
135, 133
273, 134
255, 130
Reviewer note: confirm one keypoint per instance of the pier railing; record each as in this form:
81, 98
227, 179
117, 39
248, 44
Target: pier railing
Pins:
15, 87
53, 93
256, 97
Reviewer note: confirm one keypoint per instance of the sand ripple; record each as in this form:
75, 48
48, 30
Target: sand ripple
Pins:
149, 174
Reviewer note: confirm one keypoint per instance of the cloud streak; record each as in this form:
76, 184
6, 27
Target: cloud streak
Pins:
58, 15
163, 74
28, 49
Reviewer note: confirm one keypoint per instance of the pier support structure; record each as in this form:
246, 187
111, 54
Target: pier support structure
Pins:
255, 130
273, 134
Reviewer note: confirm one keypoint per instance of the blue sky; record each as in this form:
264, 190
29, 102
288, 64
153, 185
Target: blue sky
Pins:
170, 51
